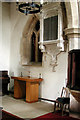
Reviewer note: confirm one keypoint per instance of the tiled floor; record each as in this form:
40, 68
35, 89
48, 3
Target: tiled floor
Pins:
25, 110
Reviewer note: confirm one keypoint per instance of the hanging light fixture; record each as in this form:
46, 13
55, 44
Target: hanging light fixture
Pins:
29, 7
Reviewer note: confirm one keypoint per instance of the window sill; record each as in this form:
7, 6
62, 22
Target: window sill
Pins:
48, 42
36, 64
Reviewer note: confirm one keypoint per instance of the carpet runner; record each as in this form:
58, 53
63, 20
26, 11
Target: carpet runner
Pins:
49, 116
54, 116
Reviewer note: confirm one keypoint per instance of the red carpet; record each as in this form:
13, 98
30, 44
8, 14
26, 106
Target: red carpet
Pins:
52, 116
49, 116
9, 116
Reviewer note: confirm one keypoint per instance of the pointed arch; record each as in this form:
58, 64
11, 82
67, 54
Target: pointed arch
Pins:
72, 13
26, 42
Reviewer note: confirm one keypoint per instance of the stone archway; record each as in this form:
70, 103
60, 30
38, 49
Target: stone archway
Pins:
25, 46
72, 13
72, 31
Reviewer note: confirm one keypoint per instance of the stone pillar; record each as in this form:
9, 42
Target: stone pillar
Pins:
79, 12
73, 35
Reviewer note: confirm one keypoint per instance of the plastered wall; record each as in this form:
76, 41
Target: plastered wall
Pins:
0, 33
4, 36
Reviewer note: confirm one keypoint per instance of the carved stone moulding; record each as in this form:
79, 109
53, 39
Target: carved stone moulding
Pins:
52, 50
73, 35
59, 44
72, 32
54, 46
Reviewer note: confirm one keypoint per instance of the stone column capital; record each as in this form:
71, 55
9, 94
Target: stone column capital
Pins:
72, 32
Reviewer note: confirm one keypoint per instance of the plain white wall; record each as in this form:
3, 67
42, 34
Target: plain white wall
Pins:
0, 35
4, 36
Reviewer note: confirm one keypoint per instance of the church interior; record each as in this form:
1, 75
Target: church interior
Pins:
39, 57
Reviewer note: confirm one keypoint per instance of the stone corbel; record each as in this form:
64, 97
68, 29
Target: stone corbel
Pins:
53, 53
41, 47
60, 45
53, 61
